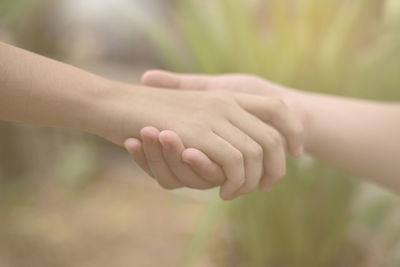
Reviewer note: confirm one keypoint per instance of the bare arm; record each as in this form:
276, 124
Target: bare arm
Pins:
35, 89
362, 137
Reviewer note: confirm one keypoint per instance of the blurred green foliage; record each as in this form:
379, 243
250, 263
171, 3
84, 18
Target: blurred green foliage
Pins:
335, 46
14, 13
28, 21
315, 216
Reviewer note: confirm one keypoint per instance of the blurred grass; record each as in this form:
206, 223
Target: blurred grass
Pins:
318, 216
339, 47
27, 21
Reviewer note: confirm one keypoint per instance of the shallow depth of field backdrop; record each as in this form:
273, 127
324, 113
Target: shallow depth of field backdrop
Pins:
71, 199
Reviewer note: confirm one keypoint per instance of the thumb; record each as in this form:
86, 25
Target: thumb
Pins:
164, 79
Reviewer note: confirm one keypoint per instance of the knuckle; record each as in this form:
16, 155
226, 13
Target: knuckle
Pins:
235, 157
178, 126
279, 104
255, 151
274, 139
220, 99
280, 108
194, 128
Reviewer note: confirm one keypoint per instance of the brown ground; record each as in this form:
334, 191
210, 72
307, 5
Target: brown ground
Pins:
122, 219
119, 218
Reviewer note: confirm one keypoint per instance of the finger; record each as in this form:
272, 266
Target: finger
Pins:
164, 79
155, 160
271, 142
277, 113
135, 149
221, 151
252, 152
203, 166
172, 151
272, 110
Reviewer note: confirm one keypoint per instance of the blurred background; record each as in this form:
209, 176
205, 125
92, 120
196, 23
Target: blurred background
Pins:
71, 199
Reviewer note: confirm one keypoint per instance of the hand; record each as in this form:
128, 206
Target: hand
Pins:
235, 83
212, 122
165, 154
277, 113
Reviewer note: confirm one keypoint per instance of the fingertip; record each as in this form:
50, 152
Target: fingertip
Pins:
168, 136
149, 133
225, 196
192, 156
148, 76
171, 141
157, 78
228, 190
133, 144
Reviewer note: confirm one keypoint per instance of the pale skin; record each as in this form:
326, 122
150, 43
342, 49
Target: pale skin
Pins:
242, 150
361, 137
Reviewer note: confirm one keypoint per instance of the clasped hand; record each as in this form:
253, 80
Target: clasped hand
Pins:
235, 140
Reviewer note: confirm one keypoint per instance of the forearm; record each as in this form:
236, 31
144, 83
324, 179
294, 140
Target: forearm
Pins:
362, 137
35, 89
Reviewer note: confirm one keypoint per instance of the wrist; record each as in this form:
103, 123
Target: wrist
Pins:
298, 102
120, 111
304, 102
96, 102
